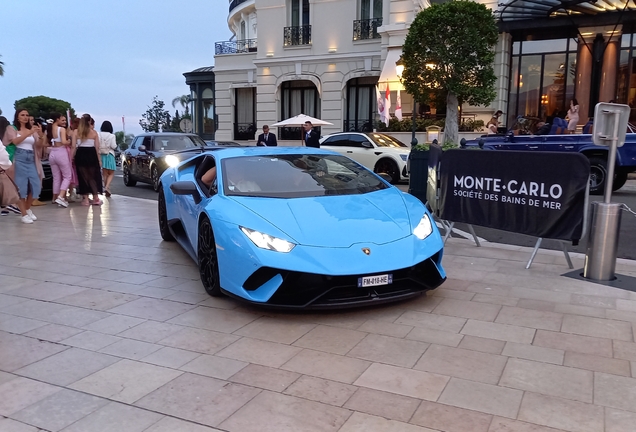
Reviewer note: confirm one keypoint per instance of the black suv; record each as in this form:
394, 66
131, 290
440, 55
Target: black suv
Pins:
151, 153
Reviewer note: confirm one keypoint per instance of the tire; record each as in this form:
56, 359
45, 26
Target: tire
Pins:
388, 166
598, 175
619, 181
128, 181
163, 218
155, 180
207, 259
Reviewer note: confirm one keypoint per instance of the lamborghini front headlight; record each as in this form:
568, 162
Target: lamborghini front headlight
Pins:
424, 228
266, 241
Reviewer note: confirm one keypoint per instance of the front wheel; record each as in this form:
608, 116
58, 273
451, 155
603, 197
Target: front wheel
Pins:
164, 230
389, 167
207, 259
619, 181
128, 181
154, 175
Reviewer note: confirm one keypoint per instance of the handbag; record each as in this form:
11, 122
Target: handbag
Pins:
8, 190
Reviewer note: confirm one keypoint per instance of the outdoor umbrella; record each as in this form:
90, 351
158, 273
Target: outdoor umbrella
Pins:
300, 120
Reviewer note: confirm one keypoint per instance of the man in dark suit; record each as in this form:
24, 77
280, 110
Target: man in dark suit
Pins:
267, 138
311, 136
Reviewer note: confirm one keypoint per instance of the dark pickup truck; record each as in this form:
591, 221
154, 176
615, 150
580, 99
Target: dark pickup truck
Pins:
582, 143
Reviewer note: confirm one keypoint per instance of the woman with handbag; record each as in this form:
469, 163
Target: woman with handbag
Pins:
87, 161
7, 134
58, 158
8, 190
107, 146
28, 169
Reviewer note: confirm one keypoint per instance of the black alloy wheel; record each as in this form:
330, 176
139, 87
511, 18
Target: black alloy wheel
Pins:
163, 218
389, 167
619, 181
154, 176
128, 181
208, 262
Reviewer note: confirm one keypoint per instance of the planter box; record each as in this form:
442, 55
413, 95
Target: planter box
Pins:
418, 174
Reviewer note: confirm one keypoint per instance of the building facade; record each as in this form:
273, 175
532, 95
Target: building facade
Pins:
325, 58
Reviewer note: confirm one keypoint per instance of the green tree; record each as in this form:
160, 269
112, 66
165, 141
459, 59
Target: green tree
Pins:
123, 141
156, 118
43, 106
183, 101
449, 52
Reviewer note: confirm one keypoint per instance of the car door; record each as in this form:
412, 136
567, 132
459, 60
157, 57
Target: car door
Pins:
338, 143
363, 151
188, 208
566, 143
131, 155
143, 159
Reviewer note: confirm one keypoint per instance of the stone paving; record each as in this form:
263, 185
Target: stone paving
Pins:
104, 327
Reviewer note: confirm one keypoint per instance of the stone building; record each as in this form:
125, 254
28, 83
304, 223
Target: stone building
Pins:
324, 58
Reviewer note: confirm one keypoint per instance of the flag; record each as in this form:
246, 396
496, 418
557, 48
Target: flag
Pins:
380, 104
398, 106
384, 115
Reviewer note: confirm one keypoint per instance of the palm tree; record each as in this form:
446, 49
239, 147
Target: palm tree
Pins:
183, 101
1, 68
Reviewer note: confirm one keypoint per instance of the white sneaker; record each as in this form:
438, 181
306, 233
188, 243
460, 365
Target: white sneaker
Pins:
31, 215
27, 219
61, 202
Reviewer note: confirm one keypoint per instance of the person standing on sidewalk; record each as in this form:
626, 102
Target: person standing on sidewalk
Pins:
58, 158
28, 170
7, 134
311, 136
107, 146
87, 161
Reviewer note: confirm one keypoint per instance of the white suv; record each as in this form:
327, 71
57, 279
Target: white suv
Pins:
377, 151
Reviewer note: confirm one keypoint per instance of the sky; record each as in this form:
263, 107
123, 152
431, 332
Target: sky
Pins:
108, 58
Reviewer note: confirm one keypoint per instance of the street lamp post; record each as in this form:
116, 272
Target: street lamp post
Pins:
399, 69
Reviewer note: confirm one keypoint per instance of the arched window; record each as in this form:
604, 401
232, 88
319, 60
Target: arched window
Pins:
298, 97
361, 105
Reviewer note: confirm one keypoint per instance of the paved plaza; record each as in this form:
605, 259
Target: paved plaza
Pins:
104, 327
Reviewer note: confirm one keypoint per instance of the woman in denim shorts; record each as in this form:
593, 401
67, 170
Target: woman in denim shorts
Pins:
25, 161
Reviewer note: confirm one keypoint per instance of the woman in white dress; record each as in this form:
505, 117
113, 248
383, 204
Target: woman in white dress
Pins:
573, 116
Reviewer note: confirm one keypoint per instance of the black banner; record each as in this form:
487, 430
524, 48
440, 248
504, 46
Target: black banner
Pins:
540, 194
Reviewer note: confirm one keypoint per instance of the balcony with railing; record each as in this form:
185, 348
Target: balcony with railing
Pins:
297, 35
244, 131
366, 29
235, 3
235, 47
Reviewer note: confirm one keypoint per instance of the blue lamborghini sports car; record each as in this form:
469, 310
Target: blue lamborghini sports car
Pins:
298, 228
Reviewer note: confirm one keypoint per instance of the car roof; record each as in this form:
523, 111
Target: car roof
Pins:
231, 152
166, 134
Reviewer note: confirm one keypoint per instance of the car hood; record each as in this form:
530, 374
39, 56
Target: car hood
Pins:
336, 221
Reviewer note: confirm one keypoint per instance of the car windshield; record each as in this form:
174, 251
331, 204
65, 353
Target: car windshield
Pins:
296, 176
178, 142
382, 140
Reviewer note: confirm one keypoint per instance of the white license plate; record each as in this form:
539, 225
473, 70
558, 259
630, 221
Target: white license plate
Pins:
368, 281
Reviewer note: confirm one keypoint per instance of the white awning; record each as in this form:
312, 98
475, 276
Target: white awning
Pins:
389, 75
